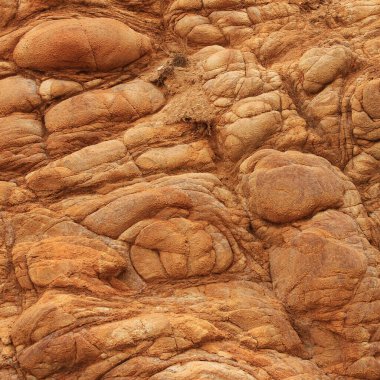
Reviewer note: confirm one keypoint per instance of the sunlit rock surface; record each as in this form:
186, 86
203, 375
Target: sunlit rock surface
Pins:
189, 189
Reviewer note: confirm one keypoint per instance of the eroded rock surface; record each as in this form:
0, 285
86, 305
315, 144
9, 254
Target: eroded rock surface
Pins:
189, 189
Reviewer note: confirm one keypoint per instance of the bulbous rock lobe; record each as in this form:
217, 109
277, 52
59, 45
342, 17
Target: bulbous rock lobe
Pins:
127, 101
90, 44
285, 187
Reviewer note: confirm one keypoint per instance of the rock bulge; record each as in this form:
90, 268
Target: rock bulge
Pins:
285, 187
189, 190
90, 44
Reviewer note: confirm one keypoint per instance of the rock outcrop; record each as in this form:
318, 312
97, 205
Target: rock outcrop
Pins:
189, 189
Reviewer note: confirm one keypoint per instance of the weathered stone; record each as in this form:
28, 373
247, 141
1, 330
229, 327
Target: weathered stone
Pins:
189, 189
85, 44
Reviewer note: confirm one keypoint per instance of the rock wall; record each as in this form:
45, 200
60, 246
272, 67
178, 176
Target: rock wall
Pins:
190, 189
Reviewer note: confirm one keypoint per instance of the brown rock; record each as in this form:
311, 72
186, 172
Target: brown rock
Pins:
21, 146
92, 44
322, 66
124, 102
53, 88
319, 270
285, 187
189, 189
52, 263
18, 94
88, 167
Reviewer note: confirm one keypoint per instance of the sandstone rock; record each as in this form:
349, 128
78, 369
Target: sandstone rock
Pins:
259, 111
192, 155
260, 365
362, 167
84, 43
8, 10
91, 166
179, 248
150, 134
365, 113
322, 66
124, 102
247, 128
18, 95
201, 369
123, 212
285, 187
189, 189
21, 145
53, 88
86, 118
50, 263
7, 68
230, 73
326, 264
11, 194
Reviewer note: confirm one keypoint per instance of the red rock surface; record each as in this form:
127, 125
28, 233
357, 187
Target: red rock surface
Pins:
189, 189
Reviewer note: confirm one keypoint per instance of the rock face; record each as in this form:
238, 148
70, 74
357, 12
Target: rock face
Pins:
189, 189
91, 44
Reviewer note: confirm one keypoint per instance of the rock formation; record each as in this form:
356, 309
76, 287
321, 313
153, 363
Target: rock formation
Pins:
190, 189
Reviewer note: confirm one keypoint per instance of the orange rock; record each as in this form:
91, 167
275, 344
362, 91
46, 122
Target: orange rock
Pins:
21, 146
18, 95
189, 189
124, 102
285, 187
92, 44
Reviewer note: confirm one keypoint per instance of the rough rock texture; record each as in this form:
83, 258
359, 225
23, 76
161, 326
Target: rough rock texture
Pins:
189, 189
